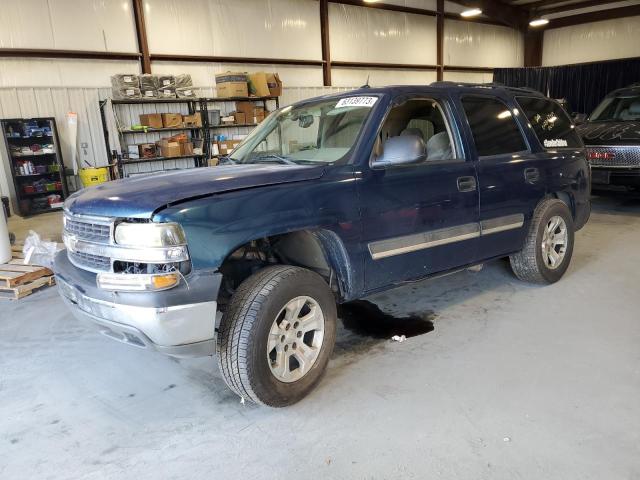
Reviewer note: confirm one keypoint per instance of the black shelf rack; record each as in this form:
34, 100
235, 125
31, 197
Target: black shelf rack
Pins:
194, 105
32, 187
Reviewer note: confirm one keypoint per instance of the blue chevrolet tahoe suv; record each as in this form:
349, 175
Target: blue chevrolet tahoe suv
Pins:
328, 200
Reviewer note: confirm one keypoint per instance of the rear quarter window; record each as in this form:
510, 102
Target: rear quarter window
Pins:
550, 123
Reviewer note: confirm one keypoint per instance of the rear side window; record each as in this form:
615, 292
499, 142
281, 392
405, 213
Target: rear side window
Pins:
495, 131
550, 123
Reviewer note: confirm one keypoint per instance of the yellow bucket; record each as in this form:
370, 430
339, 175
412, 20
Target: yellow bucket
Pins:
94, 176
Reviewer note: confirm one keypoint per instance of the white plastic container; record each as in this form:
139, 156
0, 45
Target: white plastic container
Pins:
5, 245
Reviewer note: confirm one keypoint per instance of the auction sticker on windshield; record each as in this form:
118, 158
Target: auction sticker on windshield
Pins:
357, 102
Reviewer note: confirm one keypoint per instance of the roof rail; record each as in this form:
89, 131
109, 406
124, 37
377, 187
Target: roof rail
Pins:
484, 85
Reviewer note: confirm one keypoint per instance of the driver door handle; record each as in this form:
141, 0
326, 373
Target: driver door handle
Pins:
467, 184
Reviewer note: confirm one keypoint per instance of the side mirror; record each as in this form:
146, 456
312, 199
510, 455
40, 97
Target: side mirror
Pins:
402, 150
579, 118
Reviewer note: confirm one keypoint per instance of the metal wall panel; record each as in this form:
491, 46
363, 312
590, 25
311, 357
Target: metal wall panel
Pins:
482, 45
355, 77
203, 74
38, 72
245, 28
592, 42
468, 77
360, 34
98, 25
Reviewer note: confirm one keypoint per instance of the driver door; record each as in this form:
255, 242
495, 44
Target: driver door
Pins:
422, 218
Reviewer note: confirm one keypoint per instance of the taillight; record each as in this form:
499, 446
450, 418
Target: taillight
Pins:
592, 155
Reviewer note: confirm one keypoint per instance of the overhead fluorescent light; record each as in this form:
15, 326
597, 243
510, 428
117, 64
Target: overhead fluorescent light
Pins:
370, 1
538, 22
473, 12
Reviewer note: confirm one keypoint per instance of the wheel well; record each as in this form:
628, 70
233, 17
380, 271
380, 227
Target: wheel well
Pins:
568, 201
318, 250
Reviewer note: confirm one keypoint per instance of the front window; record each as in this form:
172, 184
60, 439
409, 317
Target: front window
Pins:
311, 134
617, 109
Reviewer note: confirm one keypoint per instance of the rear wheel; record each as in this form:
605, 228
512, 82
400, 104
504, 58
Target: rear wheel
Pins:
277, 334
549, 244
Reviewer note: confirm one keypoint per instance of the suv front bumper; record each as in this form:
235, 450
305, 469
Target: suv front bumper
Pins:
179, 322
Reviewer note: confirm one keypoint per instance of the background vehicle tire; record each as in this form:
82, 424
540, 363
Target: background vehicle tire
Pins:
277, 334
549, 244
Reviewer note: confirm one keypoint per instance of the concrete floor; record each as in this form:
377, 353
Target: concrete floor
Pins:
515, 381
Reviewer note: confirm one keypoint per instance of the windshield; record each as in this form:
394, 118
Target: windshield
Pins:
617, 109
318, 133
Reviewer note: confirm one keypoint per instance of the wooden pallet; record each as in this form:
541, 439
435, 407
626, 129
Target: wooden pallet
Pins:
18, 280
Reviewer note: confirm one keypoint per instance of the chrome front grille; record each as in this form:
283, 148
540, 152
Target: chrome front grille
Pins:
88, 261
88, 230
97, 231
614, 156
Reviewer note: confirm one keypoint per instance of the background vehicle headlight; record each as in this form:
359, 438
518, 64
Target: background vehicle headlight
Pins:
150, 234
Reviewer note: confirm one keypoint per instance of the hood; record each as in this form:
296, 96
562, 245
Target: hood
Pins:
141, 197
610, 133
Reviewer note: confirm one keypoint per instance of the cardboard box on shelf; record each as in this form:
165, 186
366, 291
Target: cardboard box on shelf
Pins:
239, 118
194, 120
179, 137
226, 146
275, 84
186, 148
147, 150
231, 84
171, 120
246, 108
169, 149
151, 120
258, 84
229, 119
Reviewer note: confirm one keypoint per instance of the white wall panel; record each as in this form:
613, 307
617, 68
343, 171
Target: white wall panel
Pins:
482, 45
100, 25
38, 72
592, 42
468, 77
361, 34
203, 74
245, 28
355, 77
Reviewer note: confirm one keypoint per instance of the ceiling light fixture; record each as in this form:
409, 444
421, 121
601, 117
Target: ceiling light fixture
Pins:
473, 12
538, 22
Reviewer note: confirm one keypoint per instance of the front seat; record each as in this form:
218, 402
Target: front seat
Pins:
412, 131
439, 148
631, 113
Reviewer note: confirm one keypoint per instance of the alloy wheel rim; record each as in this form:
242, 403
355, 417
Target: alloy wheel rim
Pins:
295, 339
554, 242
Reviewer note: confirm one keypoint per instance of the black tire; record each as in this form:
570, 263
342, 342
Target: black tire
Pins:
243, 333
529, 264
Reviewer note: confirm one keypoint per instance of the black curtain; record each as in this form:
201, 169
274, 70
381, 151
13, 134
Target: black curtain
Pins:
583, 85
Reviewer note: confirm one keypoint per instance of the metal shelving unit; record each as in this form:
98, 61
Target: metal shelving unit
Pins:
194, 105
17, 136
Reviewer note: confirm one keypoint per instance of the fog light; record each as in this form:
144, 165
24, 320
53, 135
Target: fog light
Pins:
127, 282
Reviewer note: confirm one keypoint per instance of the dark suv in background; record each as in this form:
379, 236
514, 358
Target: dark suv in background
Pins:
328, 200
612, 137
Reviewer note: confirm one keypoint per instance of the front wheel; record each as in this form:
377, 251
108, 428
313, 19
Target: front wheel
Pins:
277, 334
549, 244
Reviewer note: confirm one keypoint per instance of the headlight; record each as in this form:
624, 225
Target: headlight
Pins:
149, 234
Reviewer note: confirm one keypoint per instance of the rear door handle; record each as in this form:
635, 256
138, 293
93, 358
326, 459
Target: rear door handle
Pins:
466, 184
531, 175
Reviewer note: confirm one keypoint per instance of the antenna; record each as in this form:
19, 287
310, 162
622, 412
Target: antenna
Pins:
366, 85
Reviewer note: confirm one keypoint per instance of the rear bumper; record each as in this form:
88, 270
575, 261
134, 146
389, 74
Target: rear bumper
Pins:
178, 322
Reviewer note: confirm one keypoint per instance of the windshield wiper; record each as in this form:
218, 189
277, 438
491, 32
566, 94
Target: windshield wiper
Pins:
270, 158
225, 160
